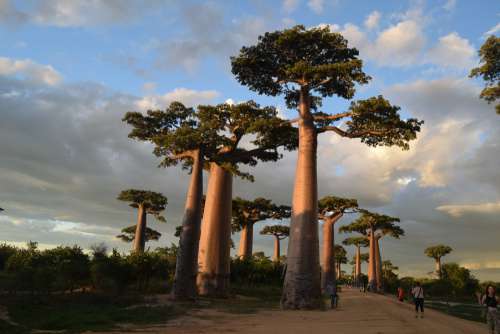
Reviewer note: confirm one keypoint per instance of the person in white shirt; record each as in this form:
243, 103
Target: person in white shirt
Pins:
418, 297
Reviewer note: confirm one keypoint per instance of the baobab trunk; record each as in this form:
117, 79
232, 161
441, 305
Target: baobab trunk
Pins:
213, 256
378, 265
246, 241
328, 256
302, 280
438, 267
186, 267
358, 265
276, 257
372, 279
140, 230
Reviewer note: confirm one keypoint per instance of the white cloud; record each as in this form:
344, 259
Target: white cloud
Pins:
372, 20
450, 5
290, 5
316, 6
493, 30
189, 97
460, 210
452, 51
29, 69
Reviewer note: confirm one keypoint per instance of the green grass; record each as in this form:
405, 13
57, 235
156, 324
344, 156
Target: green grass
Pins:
79, 313
460, 310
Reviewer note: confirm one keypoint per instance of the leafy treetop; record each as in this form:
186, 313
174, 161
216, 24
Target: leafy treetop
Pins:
128, 234
356, 241
317, 63
279, 231
332, 206
379, 222
217, 131
249, 212
340, 254
489, 70
152, 202
438, 251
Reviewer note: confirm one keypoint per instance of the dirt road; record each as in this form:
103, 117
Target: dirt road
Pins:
358, 313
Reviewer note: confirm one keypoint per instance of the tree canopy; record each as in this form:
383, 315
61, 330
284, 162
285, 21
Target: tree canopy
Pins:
128, 234
330, 206
279, 231
152, 202
318, 63
438, 251
379, 222
340, 254
356, 241
489, 70
249, 212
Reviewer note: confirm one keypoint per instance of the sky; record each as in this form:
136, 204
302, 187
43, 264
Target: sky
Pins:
69, 70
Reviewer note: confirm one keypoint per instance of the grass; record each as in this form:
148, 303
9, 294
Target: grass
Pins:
461, 310
78, 313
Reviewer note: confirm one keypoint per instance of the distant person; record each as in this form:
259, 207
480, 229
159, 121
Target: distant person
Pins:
418, 297
490, 301
332, 292
401, 294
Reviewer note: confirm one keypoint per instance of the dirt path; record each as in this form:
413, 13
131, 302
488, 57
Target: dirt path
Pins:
358, 313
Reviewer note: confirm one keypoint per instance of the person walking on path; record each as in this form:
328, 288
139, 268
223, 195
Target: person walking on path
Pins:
490, 301
401, 294
332, 292
418, 297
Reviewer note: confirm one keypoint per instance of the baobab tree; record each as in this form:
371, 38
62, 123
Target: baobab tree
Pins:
279, 232
306, 65
489, 70
340, 258
392, 230
146, 202
233, 122
330, 210
368, 224
128, 234
358, 242
246, 213
437, 252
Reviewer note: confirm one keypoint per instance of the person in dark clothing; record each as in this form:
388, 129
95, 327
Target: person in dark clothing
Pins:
418, 296
490, 301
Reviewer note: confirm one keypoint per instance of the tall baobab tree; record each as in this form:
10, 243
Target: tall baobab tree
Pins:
437, 252
340, 258
358, 242
330, 210
268, 132
489, 70
128, 234
279, 232
306, 65
392, 230
368, 224
146, 202
246, 213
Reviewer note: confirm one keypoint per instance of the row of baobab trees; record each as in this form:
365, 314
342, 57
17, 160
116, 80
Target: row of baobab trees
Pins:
305, 66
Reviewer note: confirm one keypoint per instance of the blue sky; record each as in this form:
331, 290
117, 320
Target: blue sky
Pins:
70, 69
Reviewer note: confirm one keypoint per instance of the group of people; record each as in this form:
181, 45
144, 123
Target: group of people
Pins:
489, 300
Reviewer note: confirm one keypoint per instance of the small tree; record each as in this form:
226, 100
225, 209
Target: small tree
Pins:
489, 70
128, 234
307, 65
340, 258
146, 202
437, 252
358, 242
246, 213
330, 210
279, 232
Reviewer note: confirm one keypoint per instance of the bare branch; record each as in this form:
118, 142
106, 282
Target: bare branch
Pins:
343, 133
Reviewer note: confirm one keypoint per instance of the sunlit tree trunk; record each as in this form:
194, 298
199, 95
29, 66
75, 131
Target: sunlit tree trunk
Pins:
328, 276
213, 256
302, 280
358, 265
378, 265
276, 256
246, 241
372, 279
438, 267
140, 230
186, 267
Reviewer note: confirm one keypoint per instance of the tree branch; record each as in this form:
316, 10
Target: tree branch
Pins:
343, 133
335, 117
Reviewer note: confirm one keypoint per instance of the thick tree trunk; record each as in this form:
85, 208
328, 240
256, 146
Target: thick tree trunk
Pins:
358, 265
213, 256
438, 268
378, 266
140, 230
302, 280
372, 279
339, 270
246, 241
186, 267
276, 256
328, 256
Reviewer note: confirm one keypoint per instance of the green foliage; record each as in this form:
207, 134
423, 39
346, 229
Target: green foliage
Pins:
461, 279
437, 252
331, 205
489, 70
6, 251
356, 241
249, 212
256, 271
340, 254
384, 224
280, 231
128, 234
152, 202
